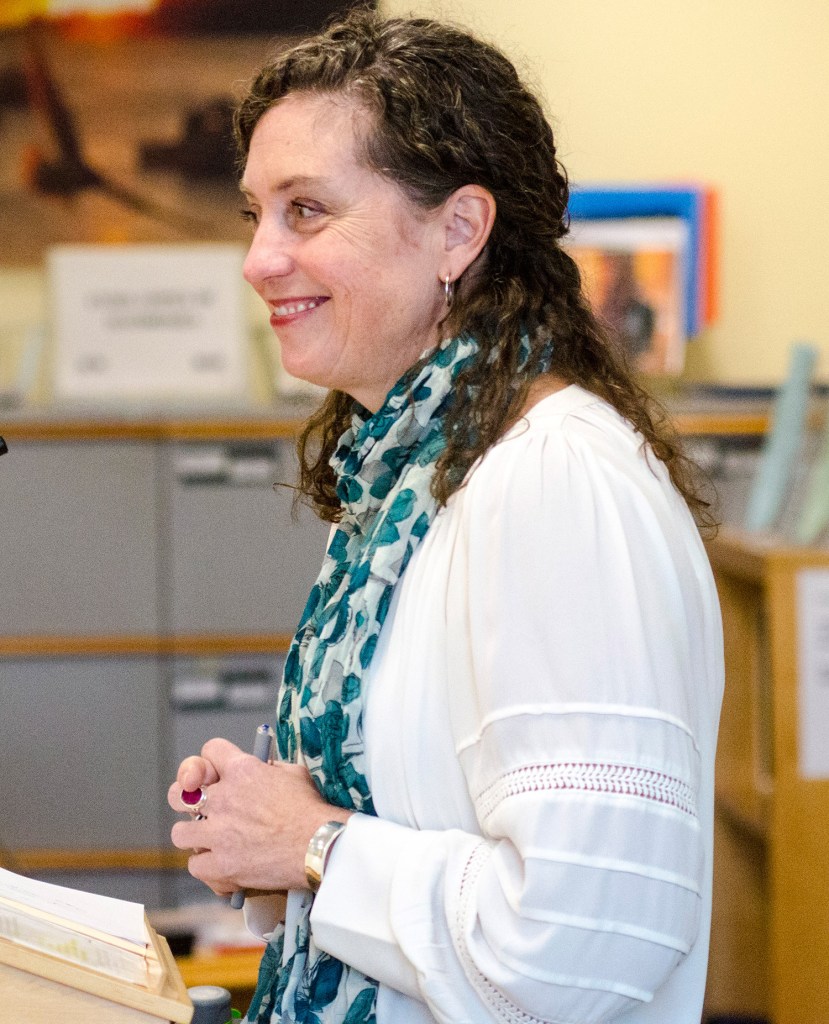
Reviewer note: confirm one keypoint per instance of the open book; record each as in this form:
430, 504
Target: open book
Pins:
106, 935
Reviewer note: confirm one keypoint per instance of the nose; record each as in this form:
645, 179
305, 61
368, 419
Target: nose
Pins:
269, 256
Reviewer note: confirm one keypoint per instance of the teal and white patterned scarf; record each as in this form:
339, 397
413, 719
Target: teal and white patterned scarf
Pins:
384, 465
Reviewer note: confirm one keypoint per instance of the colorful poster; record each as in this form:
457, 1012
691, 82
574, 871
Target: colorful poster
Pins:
633, 272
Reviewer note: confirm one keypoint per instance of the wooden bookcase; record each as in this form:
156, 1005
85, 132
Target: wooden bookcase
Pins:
770, 931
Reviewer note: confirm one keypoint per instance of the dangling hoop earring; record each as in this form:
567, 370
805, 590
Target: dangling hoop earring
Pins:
448, 290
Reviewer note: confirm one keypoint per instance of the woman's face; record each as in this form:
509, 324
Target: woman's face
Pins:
348, 267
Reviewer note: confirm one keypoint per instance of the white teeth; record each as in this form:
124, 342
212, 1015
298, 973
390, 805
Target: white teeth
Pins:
295, 307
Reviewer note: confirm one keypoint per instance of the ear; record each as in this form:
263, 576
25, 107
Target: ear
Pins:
468, 216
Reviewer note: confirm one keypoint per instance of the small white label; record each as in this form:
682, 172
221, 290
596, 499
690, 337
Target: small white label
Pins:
148, 322
813, 671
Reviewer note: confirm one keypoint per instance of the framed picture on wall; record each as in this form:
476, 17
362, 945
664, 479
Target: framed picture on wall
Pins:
116, 116
634, 275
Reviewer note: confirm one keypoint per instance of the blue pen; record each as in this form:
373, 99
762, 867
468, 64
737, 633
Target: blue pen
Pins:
263, 749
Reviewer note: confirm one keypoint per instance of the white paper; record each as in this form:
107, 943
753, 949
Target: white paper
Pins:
813, 671
72, 946
120, 918
144, 322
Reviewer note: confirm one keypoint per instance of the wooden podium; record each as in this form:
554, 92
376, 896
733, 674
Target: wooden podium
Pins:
41, 989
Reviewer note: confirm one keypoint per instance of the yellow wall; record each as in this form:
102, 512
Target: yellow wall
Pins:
730, 92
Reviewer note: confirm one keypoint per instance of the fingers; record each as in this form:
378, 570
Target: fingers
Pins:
216, 757
192, 834
197, 771
204, 863
201, 866
220, 753
186, 837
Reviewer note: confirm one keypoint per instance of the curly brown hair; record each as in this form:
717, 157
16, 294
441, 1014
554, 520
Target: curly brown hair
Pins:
448, 110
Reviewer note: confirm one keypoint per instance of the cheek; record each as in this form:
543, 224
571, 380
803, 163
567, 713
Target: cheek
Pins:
359, 299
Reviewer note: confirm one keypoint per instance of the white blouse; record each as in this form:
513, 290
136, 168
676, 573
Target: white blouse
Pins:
540, 725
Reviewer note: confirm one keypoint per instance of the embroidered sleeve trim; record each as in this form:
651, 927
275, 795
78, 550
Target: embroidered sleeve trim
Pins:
619, 779
502, 1008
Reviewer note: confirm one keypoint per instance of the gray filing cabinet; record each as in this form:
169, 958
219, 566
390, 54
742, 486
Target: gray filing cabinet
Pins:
148, 589
239, 563
82, 753
79, 538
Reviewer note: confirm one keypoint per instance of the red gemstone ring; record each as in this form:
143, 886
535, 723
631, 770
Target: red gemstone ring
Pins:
194, 799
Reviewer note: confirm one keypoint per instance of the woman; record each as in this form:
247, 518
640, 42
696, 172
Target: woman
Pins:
507, 677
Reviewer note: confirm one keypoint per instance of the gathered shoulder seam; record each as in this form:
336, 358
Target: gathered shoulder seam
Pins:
571, 708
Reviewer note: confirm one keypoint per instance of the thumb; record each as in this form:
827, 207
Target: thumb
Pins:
194, 772
219, 754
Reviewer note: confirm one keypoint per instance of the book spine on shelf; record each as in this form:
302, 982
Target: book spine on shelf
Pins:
778, 460
709, 255
814, 517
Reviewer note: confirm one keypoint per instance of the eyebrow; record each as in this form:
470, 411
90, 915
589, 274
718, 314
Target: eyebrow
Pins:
289, 184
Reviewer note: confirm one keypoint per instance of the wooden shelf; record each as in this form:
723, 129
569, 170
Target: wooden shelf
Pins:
150, 859
721, 423
284, 424
755, 557
707, 417
195, 645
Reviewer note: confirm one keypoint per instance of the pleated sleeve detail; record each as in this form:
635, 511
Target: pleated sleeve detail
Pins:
577, 736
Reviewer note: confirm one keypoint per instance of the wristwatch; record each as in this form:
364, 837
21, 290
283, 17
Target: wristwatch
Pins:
319, 850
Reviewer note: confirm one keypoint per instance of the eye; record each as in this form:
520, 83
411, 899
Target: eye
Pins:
302, 209
251, 216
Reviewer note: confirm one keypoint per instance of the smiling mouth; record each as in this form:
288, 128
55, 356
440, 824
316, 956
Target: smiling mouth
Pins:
292, 308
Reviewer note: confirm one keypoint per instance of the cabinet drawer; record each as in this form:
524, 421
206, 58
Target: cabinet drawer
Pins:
238, 561
78, 539
81, 742
227, 697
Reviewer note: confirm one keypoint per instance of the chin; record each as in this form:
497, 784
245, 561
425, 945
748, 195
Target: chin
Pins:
297, 372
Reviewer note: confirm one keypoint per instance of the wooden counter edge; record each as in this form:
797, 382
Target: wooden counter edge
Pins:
752, 557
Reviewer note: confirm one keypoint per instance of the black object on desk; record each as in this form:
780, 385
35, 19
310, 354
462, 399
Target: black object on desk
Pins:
3, 447
211, 1004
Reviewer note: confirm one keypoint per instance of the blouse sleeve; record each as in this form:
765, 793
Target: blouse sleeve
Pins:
577, 611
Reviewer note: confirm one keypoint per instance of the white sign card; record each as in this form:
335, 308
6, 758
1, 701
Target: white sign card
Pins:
148, 322
813, 671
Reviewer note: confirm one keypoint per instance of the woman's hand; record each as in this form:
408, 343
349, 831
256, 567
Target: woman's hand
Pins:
258, 819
